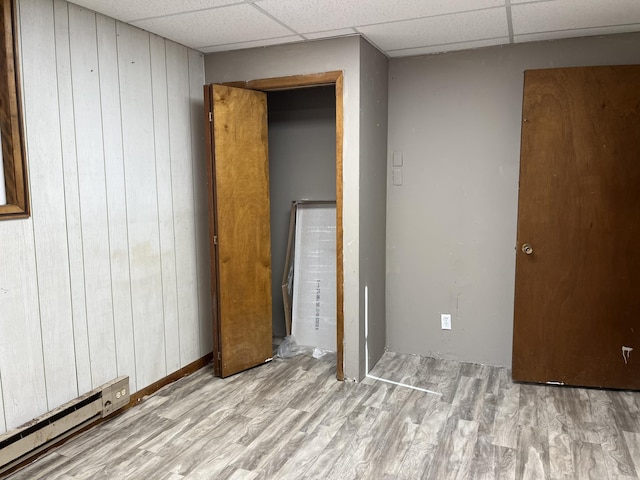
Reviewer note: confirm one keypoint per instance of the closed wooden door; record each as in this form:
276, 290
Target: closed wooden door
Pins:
577, 297
239, 227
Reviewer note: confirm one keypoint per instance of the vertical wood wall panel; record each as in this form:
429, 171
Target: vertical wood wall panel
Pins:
21, 355
113, 149
142, 202
3, 424
196, 82
47, 196
93, 203
72, 198
183, 207
165, 202
116, 197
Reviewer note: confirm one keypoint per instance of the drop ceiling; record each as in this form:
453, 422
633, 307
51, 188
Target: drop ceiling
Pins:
397, 27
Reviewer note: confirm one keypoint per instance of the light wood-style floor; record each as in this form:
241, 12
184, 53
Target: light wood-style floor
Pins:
291, 420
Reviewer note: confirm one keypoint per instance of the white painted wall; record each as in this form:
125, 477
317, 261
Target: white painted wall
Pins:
452, 225
109, 276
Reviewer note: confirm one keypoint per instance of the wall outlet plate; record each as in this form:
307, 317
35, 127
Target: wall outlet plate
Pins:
445, 320
115, 395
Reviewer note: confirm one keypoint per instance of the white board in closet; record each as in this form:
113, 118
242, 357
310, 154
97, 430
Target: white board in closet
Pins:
92, 191
178, 93
314, 299
116, 198
72, 196
134, 60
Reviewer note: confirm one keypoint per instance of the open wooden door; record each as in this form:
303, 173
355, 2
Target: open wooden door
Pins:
577, 299
238, 177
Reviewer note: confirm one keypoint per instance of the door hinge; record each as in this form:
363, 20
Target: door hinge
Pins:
210, 117
215, 239
219, 355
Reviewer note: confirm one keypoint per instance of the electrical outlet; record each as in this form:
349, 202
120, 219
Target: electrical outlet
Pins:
115, 395
445, 320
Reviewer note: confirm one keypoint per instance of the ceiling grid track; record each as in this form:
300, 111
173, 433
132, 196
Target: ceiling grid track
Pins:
407, 28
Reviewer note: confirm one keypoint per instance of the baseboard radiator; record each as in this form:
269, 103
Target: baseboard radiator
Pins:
17, 446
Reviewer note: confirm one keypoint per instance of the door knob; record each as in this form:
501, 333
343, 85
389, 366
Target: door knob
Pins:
527, 249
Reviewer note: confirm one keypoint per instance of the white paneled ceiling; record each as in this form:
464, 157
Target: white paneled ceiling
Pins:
397, 27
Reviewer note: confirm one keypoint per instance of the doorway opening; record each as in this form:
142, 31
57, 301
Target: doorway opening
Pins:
302, 145
330, 83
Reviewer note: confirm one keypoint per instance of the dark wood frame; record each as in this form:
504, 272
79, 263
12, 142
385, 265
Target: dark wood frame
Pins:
286, 83
13, 156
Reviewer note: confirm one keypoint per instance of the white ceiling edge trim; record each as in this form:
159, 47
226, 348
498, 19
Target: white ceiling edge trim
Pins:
449, 47
576, 33
252, 44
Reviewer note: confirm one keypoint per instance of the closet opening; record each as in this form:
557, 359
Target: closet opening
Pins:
302, 170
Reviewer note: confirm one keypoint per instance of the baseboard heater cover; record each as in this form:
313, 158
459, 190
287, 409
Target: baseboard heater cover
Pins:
17, 446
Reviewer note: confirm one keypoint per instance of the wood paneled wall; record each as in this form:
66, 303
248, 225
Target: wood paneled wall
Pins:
109, 276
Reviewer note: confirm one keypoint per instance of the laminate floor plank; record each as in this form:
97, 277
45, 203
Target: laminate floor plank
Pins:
53, 465
625, 410
333, 411
346, 441
616, 452
468, 400
561, 450
217, 463
589, 461
484, 457
291, 420
309, 449
455, 451
505, 426
260, 454
632, 440
505, 463
533, 453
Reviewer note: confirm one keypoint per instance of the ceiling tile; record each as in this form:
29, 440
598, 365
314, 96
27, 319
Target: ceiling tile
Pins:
220, 26
256, 43
583, 32
450, 47
317, 15
573, 14
405, 27
330, 33
461, 27
128, 10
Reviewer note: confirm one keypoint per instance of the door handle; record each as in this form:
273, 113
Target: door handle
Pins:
527, 249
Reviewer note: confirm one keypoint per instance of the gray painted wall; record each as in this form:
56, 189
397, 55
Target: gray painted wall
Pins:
374, 74
302, 166
316, 57
451, 227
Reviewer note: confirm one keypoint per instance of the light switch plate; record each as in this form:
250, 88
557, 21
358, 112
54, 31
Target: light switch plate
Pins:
397, 176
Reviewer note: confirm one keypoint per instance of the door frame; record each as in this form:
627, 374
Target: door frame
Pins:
306, 81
